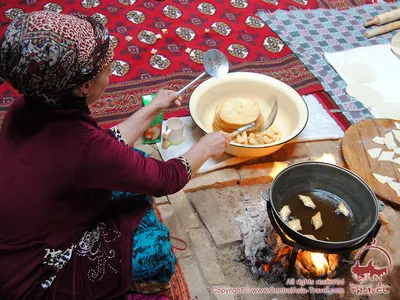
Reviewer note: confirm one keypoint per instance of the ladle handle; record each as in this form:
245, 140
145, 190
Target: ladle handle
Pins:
241, 129
184, 89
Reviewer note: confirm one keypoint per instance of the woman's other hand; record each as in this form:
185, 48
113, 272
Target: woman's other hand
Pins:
211, 145
133, 127
164, 98
215, 143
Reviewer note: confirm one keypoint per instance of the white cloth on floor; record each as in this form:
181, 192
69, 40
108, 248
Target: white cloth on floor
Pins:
320, 125
372, 76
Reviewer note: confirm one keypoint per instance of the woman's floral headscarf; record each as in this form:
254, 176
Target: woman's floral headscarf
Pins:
47, 55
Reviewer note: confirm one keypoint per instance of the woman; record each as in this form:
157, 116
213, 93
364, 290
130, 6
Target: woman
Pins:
63, 233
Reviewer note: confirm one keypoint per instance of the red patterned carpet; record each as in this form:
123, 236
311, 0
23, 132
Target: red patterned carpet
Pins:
249, 44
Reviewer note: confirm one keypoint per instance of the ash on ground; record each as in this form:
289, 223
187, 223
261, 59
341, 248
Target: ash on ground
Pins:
263, 251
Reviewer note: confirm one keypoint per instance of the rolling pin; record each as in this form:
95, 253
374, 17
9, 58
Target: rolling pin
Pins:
384, 18
382, 29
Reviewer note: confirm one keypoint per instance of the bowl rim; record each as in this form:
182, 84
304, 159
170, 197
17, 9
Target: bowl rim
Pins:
264, 146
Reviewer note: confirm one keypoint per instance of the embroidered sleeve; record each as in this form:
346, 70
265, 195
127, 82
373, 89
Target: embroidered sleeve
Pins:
118, 135
105, 163
187, 166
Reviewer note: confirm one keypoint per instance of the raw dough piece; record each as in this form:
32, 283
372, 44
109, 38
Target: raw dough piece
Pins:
317, 221
307, 201
379, 140
396, 150
285, 212
395, 186
375, 152
396, 160
396, 50
343, 209
386, 155
389, 141
396, 132
365, 94
358, 72
396, 44
295, 225
380, 178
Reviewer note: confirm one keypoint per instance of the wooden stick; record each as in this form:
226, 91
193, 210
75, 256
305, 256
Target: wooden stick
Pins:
382, 29
384, 18
374, 21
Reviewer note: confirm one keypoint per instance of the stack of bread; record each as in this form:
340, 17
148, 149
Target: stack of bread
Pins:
235, 113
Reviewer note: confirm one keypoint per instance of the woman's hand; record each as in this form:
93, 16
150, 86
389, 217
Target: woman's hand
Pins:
215, 143
133, 127
164, 98
211, 145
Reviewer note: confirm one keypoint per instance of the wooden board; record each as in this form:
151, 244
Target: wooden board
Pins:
357, 141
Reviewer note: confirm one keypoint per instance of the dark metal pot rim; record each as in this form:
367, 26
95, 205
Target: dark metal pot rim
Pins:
344, 243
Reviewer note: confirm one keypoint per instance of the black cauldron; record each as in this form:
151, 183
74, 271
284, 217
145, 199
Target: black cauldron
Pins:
333, 179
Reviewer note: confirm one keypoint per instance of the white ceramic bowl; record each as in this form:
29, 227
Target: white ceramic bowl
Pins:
292, 110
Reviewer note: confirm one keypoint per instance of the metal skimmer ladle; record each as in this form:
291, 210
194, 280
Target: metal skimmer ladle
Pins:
216, 65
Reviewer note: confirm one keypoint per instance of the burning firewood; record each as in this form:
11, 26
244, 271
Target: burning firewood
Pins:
317, 265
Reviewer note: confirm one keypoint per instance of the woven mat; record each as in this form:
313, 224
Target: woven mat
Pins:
249, 44
311, 33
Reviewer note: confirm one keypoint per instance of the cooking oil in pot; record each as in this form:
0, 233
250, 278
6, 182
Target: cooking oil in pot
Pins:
336, 227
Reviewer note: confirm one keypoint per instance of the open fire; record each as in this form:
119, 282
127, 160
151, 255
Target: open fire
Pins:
317, 265
279, 166
319, 261
272, 259
327, 158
